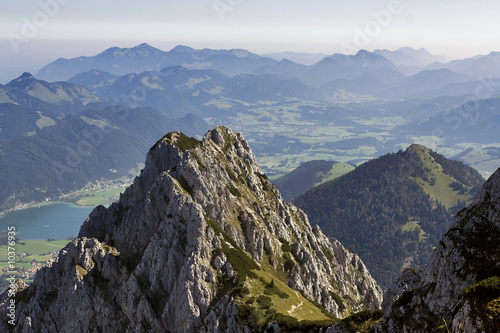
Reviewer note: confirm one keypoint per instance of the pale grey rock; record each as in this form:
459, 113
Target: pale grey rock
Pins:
150, 262
218, 262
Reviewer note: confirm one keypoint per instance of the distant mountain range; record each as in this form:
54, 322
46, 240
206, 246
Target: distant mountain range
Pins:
380, 73
177, 90
480, 67
28, 104
330, 68
141, 58
297, 57
393, 210
408, 59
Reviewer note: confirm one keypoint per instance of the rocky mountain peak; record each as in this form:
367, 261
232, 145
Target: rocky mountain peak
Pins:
416, 154
415, 147
241, 53
487, 202
141, 50
24, 80
364, 55
183, 48
143, 46
201, 242
26, 76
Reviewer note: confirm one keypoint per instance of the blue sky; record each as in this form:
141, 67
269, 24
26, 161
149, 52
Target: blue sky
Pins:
69, 28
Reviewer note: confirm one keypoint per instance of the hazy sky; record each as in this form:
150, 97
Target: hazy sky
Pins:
34, 32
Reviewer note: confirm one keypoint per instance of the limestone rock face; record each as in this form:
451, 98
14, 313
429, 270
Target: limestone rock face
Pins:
182, 247
459, 288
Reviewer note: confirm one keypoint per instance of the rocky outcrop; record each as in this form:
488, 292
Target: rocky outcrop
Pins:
190, 247
459, 289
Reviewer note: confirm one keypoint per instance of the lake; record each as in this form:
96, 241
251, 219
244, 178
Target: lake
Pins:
55, 220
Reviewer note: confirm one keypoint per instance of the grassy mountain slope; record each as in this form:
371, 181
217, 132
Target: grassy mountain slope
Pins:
392, 210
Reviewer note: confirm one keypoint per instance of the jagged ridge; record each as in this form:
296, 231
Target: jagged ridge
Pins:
190, 246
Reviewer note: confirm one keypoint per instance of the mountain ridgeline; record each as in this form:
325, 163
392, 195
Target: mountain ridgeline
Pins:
28, 105
201, 242
308, 175
393, 210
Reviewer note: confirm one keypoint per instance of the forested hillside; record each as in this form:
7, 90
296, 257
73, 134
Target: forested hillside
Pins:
393, 210
27, 105
308, 175
82, 148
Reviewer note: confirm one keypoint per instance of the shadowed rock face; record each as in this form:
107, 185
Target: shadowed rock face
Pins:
461, 283
200, 223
